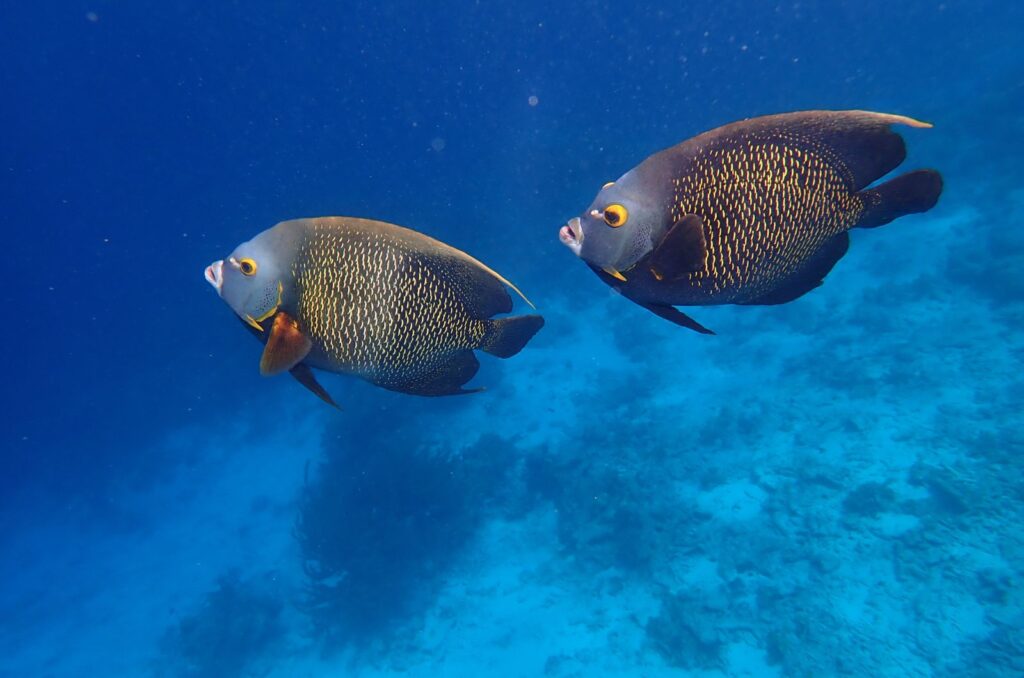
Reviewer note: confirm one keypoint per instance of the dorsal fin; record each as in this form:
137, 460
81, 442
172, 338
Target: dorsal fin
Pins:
862, 141
459, 254
428, 248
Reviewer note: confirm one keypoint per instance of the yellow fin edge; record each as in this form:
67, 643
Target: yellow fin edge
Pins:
894, 119
494, 273
913, 122
615, 274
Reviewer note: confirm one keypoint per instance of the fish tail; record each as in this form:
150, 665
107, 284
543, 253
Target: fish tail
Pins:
504, 337
908, 193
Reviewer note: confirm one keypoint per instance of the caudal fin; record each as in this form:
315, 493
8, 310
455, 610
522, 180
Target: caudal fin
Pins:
507, 336
906, 194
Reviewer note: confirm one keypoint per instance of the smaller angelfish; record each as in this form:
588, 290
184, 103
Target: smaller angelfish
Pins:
385, 303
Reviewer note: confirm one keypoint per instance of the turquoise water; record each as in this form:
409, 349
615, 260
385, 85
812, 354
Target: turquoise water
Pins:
828, 487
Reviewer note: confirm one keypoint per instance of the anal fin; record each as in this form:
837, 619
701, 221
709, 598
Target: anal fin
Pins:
810, 275
681, 250
445, 379
304, 375
674, 315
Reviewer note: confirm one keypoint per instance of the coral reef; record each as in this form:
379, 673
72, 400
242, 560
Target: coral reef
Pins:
869, 499
604, 516
234, 632
681, 635
382, 521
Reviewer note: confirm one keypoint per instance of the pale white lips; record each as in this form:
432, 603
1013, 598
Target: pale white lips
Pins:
215, 274
571, 235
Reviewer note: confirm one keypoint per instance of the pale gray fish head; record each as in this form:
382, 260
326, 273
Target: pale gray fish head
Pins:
252, 280
619, 227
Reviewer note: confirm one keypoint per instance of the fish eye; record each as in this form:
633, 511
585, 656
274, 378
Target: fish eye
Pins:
615, 215
247, 266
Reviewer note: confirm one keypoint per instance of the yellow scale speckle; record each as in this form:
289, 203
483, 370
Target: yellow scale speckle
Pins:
373, 307
780, 194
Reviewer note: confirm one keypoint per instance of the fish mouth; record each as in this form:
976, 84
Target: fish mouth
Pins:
571, 235
214, 274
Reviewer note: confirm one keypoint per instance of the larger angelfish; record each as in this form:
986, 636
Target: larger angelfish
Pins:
361, 297
756, 212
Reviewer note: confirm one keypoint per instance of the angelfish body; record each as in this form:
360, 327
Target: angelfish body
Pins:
371, 299
755, 212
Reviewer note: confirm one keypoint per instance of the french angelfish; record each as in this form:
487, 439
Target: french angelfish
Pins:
385, 303
755, 212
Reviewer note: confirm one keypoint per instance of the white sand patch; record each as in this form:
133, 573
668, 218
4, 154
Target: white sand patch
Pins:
746, 661
733, 502
896, 524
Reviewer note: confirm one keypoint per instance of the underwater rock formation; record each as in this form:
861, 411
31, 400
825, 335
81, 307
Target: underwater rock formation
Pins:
234, 632
682, 637
382, 520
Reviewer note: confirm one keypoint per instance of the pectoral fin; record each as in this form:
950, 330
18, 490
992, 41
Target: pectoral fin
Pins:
286, 346
304, 375
682, 250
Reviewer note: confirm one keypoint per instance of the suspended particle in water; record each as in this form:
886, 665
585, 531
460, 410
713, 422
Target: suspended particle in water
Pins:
92, 17
437, 143
533, 100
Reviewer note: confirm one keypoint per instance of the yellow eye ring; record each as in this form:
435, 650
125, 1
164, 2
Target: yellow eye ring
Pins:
615, 215
247, 266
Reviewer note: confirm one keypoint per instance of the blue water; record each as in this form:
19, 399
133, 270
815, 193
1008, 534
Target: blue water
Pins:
831, 487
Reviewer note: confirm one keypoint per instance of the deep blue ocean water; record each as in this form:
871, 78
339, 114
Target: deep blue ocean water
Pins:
830, 487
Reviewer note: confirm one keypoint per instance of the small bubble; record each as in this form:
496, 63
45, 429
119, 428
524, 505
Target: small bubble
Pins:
437, 143
533, 100
92, 17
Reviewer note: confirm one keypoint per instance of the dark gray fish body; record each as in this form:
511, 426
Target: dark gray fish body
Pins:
756, 212
362, 297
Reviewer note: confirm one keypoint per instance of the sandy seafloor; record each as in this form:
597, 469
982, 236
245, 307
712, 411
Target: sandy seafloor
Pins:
830, 487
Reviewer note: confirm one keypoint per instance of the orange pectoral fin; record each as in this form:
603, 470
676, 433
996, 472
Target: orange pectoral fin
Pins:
286, 346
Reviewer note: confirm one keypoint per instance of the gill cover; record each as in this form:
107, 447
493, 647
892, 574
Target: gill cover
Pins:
257, 278
622, 224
